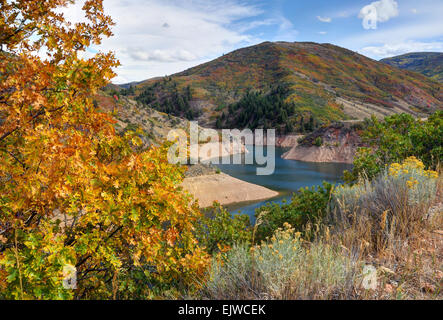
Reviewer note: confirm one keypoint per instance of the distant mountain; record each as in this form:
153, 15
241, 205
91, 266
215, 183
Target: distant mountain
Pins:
428, 63
128, 85
289, 86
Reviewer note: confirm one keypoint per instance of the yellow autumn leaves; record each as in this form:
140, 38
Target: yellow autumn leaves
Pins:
119, 208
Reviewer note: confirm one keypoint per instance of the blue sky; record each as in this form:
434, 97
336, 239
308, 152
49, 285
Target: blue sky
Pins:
160, 37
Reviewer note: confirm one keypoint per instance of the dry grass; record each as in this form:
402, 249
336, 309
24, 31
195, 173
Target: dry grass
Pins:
284, 267
383, 213
397, 229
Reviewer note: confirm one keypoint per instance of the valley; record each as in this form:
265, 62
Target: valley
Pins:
315, 95
165, 152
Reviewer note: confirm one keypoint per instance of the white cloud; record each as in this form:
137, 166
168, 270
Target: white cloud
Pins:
324, 19
430, 27
345, 14
322, 32
378, 11
243, 27
285, 24
414, 11
395, 49
159, 37
139, 54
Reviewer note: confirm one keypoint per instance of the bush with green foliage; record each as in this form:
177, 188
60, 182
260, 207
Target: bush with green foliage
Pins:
318, 142
219, 229
309, 205
396, 138
365, 166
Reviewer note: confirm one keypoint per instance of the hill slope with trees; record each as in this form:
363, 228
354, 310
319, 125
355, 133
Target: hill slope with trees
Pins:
290, 86
428, 63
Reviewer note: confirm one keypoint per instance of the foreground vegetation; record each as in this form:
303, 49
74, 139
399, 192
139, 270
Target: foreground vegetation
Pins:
376, 239
77, 198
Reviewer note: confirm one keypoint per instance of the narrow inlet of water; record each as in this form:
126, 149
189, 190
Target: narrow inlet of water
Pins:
289, 176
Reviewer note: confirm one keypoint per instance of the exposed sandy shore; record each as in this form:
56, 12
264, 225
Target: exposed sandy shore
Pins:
285, 141
224, 189
213, 150
340, 154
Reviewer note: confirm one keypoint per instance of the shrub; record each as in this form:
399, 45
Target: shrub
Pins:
392, 207
219, 229
282, 268
309, 205
396, 138
74, 195
427, 140
318, 142
232, 277
365, 166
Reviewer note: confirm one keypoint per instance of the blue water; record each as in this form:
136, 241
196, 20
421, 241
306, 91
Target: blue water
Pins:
289, 176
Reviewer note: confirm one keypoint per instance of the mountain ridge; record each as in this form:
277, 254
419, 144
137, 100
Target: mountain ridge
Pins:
429, 64
296, 85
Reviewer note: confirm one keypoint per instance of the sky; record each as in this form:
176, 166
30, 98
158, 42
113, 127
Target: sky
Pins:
160, 37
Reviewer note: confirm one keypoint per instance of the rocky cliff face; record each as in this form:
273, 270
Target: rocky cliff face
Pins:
335, 143
283, 141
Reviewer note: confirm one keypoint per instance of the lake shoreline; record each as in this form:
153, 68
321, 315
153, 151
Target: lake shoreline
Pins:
239, 188
225, 189
288, 178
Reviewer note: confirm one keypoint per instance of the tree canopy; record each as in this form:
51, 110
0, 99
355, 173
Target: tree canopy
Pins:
73, 193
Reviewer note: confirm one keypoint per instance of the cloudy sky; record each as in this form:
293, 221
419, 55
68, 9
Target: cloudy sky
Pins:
160, 37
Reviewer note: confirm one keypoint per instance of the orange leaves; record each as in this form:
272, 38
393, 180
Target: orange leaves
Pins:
3, 277
78, 193
132, 161
171, 236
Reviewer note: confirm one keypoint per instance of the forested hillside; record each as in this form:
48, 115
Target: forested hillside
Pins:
429, 64
290, 86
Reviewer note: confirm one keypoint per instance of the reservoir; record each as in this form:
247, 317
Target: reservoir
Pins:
289, 176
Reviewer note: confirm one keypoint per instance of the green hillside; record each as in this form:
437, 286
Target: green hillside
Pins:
428, 63
291, 86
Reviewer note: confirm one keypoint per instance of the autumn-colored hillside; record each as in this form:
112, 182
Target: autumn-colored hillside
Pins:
154, 125
290, 86
428, 63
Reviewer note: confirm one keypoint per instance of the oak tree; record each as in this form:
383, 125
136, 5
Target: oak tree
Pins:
73, 193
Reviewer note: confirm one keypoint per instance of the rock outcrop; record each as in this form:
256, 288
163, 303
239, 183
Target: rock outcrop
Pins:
285, 141
216, 150
335, 143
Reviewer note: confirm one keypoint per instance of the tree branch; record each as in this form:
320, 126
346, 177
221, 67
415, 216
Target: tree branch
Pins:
107, 238
39, 113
